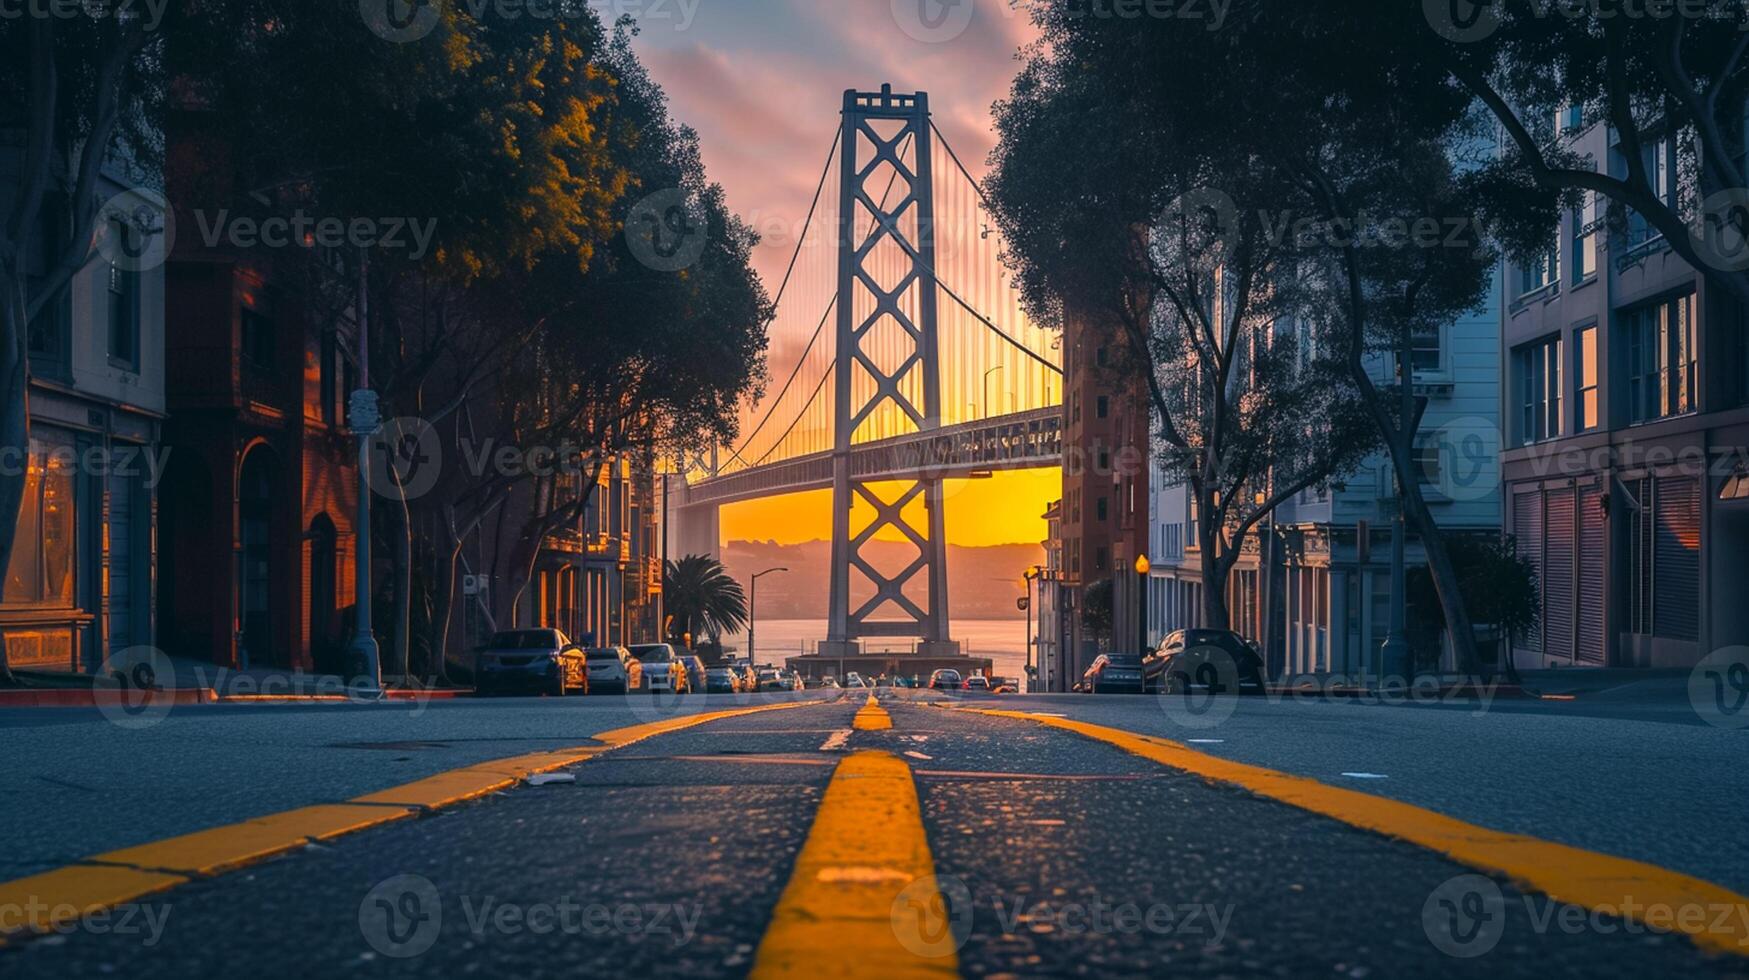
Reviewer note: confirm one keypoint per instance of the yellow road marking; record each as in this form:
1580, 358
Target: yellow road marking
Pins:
871, 717
106, 880
1710, 915
862, 900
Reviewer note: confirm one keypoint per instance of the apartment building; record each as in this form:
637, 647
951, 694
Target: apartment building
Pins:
1625, 422
1104, 508
1313, 583
82, 577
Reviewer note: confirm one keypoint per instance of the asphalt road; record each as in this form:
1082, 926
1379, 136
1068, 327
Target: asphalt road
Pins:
1056, 855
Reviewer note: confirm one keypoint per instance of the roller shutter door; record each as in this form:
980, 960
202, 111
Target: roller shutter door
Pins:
1593, 525
1676, 561
1557, 576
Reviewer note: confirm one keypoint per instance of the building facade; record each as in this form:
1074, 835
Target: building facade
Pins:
600, 579
1313, 584
1104, 508
256, 538
1625, 422
82, 577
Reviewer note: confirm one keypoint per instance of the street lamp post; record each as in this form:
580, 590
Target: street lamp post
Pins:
1031, 575
1143, 567
752, 608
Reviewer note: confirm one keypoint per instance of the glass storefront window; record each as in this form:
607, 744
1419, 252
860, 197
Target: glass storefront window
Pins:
41, 572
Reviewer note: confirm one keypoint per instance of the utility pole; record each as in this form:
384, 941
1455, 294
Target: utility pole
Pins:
366, 420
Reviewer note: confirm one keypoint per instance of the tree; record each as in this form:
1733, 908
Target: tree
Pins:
79, 94
1141, 216
1096, 610
702, 598
1338, 161
1671, 88
1499, 587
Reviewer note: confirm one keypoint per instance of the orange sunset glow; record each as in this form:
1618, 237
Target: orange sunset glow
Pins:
1005, 509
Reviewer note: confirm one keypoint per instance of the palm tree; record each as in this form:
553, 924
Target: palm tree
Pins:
698, 592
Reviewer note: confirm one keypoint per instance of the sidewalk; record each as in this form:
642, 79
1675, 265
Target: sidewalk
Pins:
185, 682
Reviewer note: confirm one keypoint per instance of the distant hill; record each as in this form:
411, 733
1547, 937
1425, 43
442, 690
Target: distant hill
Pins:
982, 583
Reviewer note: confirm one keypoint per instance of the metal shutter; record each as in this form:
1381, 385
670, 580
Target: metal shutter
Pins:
1557, 577
1527, 527
121, 563
1676, 560
1593, 525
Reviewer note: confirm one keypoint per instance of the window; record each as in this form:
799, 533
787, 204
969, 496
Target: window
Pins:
1102, 407
1570, 120
1099, 357
1540, 271
1427, 459
41, 569
1585, 227
1585, 372
1100, 555
48, 331
1661, 359
1101, 509
258, 340
1424, 348
1659, 164
1538, 369
124, 302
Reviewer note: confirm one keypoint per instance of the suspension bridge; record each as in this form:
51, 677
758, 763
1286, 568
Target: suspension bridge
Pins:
907, 362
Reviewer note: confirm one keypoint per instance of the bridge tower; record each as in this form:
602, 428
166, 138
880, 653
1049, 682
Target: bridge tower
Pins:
878, 129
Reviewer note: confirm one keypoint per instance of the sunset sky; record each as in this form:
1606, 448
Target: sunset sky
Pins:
762, 81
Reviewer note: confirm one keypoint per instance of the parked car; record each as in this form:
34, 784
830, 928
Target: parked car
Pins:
613, 669
722, 680
796, 681
663, 668
854, 679
695, 679
1209, 661
978, 682
772, 679
541, 660
945, 679
830, 683
748, 673
1119, 673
